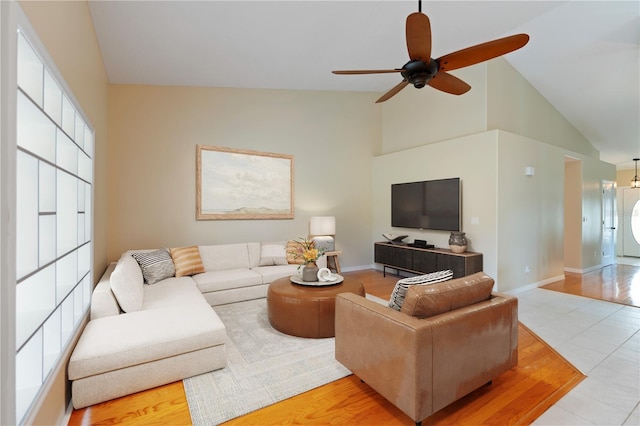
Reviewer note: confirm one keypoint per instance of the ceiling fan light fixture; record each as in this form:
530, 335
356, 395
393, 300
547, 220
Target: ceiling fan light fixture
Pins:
419, 80
419, 72
422, 69
635, 182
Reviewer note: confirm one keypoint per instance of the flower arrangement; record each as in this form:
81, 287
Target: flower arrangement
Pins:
307, 252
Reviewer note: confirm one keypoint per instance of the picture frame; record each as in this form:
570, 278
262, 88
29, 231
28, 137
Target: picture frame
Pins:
234, 184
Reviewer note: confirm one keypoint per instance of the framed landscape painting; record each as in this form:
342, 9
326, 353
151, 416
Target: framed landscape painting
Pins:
243, 184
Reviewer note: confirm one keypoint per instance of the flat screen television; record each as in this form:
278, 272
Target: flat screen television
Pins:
432, 204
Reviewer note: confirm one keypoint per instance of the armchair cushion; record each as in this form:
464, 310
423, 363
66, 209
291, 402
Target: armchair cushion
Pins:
425, 301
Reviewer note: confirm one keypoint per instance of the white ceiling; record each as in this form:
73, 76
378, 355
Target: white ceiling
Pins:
583, 55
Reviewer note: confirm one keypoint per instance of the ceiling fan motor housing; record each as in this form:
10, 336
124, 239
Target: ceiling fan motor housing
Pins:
419, 72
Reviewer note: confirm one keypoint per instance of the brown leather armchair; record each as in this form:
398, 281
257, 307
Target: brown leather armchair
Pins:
423, 363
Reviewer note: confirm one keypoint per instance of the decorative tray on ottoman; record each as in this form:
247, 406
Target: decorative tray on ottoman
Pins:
333, 280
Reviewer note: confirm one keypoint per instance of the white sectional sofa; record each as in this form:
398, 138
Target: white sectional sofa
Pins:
145, 335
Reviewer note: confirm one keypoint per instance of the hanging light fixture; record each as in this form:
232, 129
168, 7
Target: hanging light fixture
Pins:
635, 182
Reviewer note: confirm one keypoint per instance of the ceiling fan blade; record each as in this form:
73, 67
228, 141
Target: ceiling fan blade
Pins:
419, 37
482, 52
398, 87
448, 83
349, 72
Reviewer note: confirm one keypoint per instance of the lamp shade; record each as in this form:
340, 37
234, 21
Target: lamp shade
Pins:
322, 225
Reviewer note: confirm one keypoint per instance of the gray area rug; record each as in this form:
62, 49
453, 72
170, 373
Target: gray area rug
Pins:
264, 366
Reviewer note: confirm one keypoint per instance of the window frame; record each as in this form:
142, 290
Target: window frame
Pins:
11, 19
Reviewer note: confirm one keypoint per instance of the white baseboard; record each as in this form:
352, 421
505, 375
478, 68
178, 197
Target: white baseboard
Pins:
584, 271
520, 289
535, 285
67, 414
358, 268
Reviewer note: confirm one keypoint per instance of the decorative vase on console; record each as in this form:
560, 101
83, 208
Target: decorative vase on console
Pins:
458, 242
310, 272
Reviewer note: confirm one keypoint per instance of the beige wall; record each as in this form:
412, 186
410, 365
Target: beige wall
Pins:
66, 30
473, 159
153, 133
521, 219
530, 211
514, 105
500, 98
415, 117
573, 214
623, 177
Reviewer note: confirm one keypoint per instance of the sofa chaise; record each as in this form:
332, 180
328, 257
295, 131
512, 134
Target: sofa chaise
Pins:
143, 335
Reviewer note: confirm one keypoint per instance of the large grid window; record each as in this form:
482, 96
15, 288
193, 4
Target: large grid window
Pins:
53, 218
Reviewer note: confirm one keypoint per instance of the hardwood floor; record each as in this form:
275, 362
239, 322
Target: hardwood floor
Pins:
516, 397
164, 405
614, 283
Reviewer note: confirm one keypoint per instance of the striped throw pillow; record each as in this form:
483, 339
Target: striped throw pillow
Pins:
156, 265
273, 253
400, 290
187, 261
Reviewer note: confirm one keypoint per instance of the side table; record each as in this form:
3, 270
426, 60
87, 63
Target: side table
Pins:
333, 256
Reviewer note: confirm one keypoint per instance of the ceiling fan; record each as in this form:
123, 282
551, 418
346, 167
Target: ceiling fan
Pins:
422, 69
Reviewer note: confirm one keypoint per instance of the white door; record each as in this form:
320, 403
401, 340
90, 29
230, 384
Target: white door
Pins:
631, 219
608, 223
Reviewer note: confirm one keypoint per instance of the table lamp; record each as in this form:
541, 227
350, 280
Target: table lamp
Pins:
322, 230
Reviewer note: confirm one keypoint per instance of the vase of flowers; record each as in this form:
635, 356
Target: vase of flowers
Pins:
308, 254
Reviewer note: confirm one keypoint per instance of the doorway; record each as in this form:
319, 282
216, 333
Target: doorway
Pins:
608, 223
629, 222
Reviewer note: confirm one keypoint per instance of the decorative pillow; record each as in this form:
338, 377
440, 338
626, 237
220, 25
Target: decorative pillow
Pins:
156, 265
430, 300
273, 253
294, 247
127, 284
187, 261
400, 290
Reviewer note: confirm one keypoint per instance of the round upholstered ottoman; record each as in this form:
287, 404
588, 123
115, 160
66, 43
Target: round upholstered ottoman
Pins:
306, 311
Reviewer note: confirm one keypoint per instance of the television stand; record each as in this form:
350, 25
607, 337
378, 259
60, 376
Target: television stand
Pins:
428, 246
418, 260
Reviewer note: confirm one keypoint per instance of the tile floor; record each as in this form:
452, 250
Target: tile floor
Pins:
601, 339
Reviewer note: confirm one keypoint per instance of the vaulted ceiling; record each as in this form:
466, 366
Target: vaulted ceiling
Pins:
583, 56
